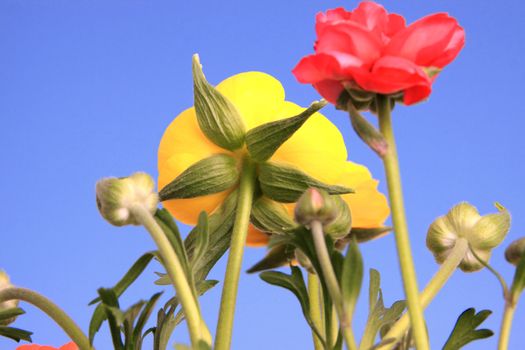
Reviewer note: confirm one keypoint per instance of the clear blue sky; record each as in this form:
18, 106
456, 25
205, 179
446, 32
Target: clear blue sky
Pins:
87, 88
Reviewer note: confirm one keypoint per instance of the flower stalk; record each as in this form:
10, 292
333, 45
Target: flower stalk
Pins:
314, 298
51, 309
390, 161
332, 285
196, 326
233, 268
506, 325
437, 282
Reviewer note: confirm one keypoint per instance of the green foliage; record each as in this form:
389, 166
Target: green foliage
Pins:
379, 316
465, 330
286, 184
295, 284
351, 277
15, 334
271, 217
207, 176
218, 118
264, 140
277, 256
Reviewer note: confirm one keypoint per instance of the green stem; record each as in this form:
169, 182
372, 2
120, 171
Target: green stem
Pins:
506, 325
331, 282
233, 269
196, 326
437, 282
52, 310
314, 298
404, 252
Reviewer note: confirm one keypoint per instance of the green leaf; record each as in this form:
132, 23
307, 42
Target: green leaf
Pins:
270, 216
113, 314
367, 234
518, 283
143, 318
15, 334
264, 140
295, 284
202, 238
351, 277
218, 118
133, 273
276, 257
10, 313
465, 330
207, 176
367, 132
286, 184
128, 320
373, 291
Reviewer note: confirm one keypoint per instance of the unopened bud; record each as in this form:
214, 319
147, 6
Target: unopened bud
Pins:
483, 234
341, 225
315, 205
116, 196
9, 304
515, 251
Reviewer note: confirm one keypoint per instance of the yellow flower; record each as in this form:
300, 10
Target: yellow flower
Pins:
317, 149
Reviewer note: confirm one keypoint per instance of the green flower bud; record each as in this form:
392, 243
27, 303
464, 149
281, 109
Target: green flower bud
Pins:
315, 205
515, 251
342, 223
304, 261
483, 234
9, 304
116, 196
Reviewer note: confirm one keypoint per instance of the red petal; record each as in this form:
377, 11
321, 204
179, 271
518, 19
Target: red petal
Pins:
330, 90
371, 15
330, 17
396, 23
69, 346
427, 41
315, 68
416, 94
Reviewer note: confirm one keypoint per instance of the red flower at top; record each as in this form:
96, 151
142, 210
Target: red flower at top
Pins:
372, 50
68, 346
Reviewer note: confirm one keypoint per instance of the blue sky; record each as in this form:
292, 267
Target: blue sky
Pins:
87, 88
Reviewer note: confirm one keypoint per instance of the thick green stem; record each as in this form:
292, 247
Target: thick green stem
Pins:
506, 325
431, 290
404, 252
331, 282
314, 298
233, 269
196, 326
52, 310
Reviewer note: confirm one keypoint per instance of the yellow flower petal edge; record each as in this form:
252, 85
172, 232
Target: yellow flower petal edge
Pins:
317, 149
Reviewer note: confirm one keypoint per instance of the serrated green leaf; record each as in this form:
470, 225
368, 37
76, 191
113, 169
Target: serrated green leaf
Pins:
351, 277
295, 284
276, 257
15, 334
207, 176
218, 118
128, 320
373, 291
465, 330
362, 234
10, 313
286, 184
143, 318
270, 216
264, 140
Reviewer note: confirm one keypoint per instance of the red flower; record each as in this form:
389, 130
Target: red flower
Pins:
68, 346
372, 50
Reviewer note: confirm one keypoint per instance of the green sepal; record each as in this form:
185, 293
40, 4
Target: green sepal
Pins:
351, 277
342, 223
218, 118
270, 216
277, 256
367, 132
15, 334
8, 315
264, 140
465, 330
518, 283
295, 284
286, 184
210, 175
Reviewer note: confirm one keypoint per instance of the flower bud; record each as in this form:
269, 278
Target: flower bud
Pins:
315, 205
483, 234
116, 196
9, 304
342, 223
515, 251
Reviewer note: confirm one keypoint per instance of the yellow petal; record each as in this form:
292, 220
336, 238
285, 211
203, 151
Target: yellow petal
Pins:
256, 238
257, 96
317, 148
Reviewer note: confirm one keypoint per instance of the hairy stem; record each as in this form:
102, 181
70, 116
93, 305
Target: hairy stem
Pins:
314, 297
